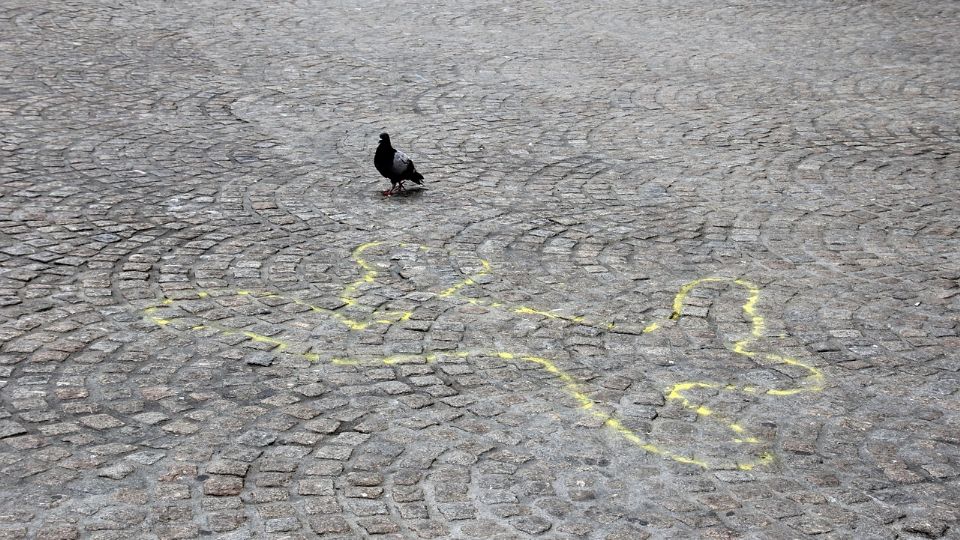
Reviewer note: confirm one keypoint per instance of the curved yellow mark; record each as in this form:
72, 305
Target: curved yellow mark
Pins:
812, 382
632, 437
260, 338
370, 274
524, 310
470, 280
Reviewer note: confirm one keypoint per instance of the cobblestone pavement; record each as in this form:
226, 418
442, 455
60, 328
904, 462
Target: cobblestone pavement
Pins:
682, 270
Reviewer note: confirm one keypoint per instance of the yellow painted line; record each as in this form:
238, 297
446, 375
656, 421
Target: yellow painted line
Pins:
343, 362
470, 280
260, 338
676, 391
369, 276
389, 317
524, 310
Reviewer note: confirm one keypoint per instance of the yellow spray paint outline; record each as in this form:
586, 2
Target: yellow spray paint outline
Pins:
812, 382
571, 386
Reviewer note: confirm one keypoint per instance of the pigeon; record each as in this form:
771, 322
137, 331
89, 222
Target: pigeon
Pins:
395, 165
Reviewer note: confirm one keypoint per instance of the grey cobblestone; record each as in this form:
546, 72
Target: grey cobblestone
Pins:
213, 325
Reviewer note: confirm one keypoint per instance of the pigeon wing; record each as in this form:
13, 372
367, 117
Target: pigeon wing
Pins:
400, 162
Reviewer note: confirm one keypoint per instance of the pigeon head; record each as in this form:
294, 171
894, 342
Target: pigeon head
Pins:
385, 138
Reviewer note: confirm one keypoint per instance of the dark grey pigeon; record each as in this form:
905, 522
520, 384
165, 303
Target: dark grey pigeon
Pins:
395, 165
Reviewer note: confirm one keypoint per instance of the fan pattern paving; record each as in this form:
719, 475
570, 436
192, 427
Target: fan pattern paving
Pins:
683, 269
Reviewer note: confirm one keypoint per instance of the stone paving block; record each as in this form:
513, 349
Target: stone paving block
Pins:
220, 486
329, 524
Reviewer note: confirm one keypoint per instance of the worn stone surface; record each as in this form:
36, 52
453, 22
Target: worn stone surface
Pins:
213, 325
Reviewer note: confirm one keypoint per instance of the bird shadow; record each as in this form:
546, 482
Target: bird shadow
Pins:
409, 193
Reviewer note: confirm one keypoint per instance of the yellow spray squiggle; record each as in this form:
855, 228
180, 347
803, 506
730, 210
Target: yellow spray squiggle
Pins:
468, 281
571, 386
348, 295
349, 292
677, 392
812, 382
